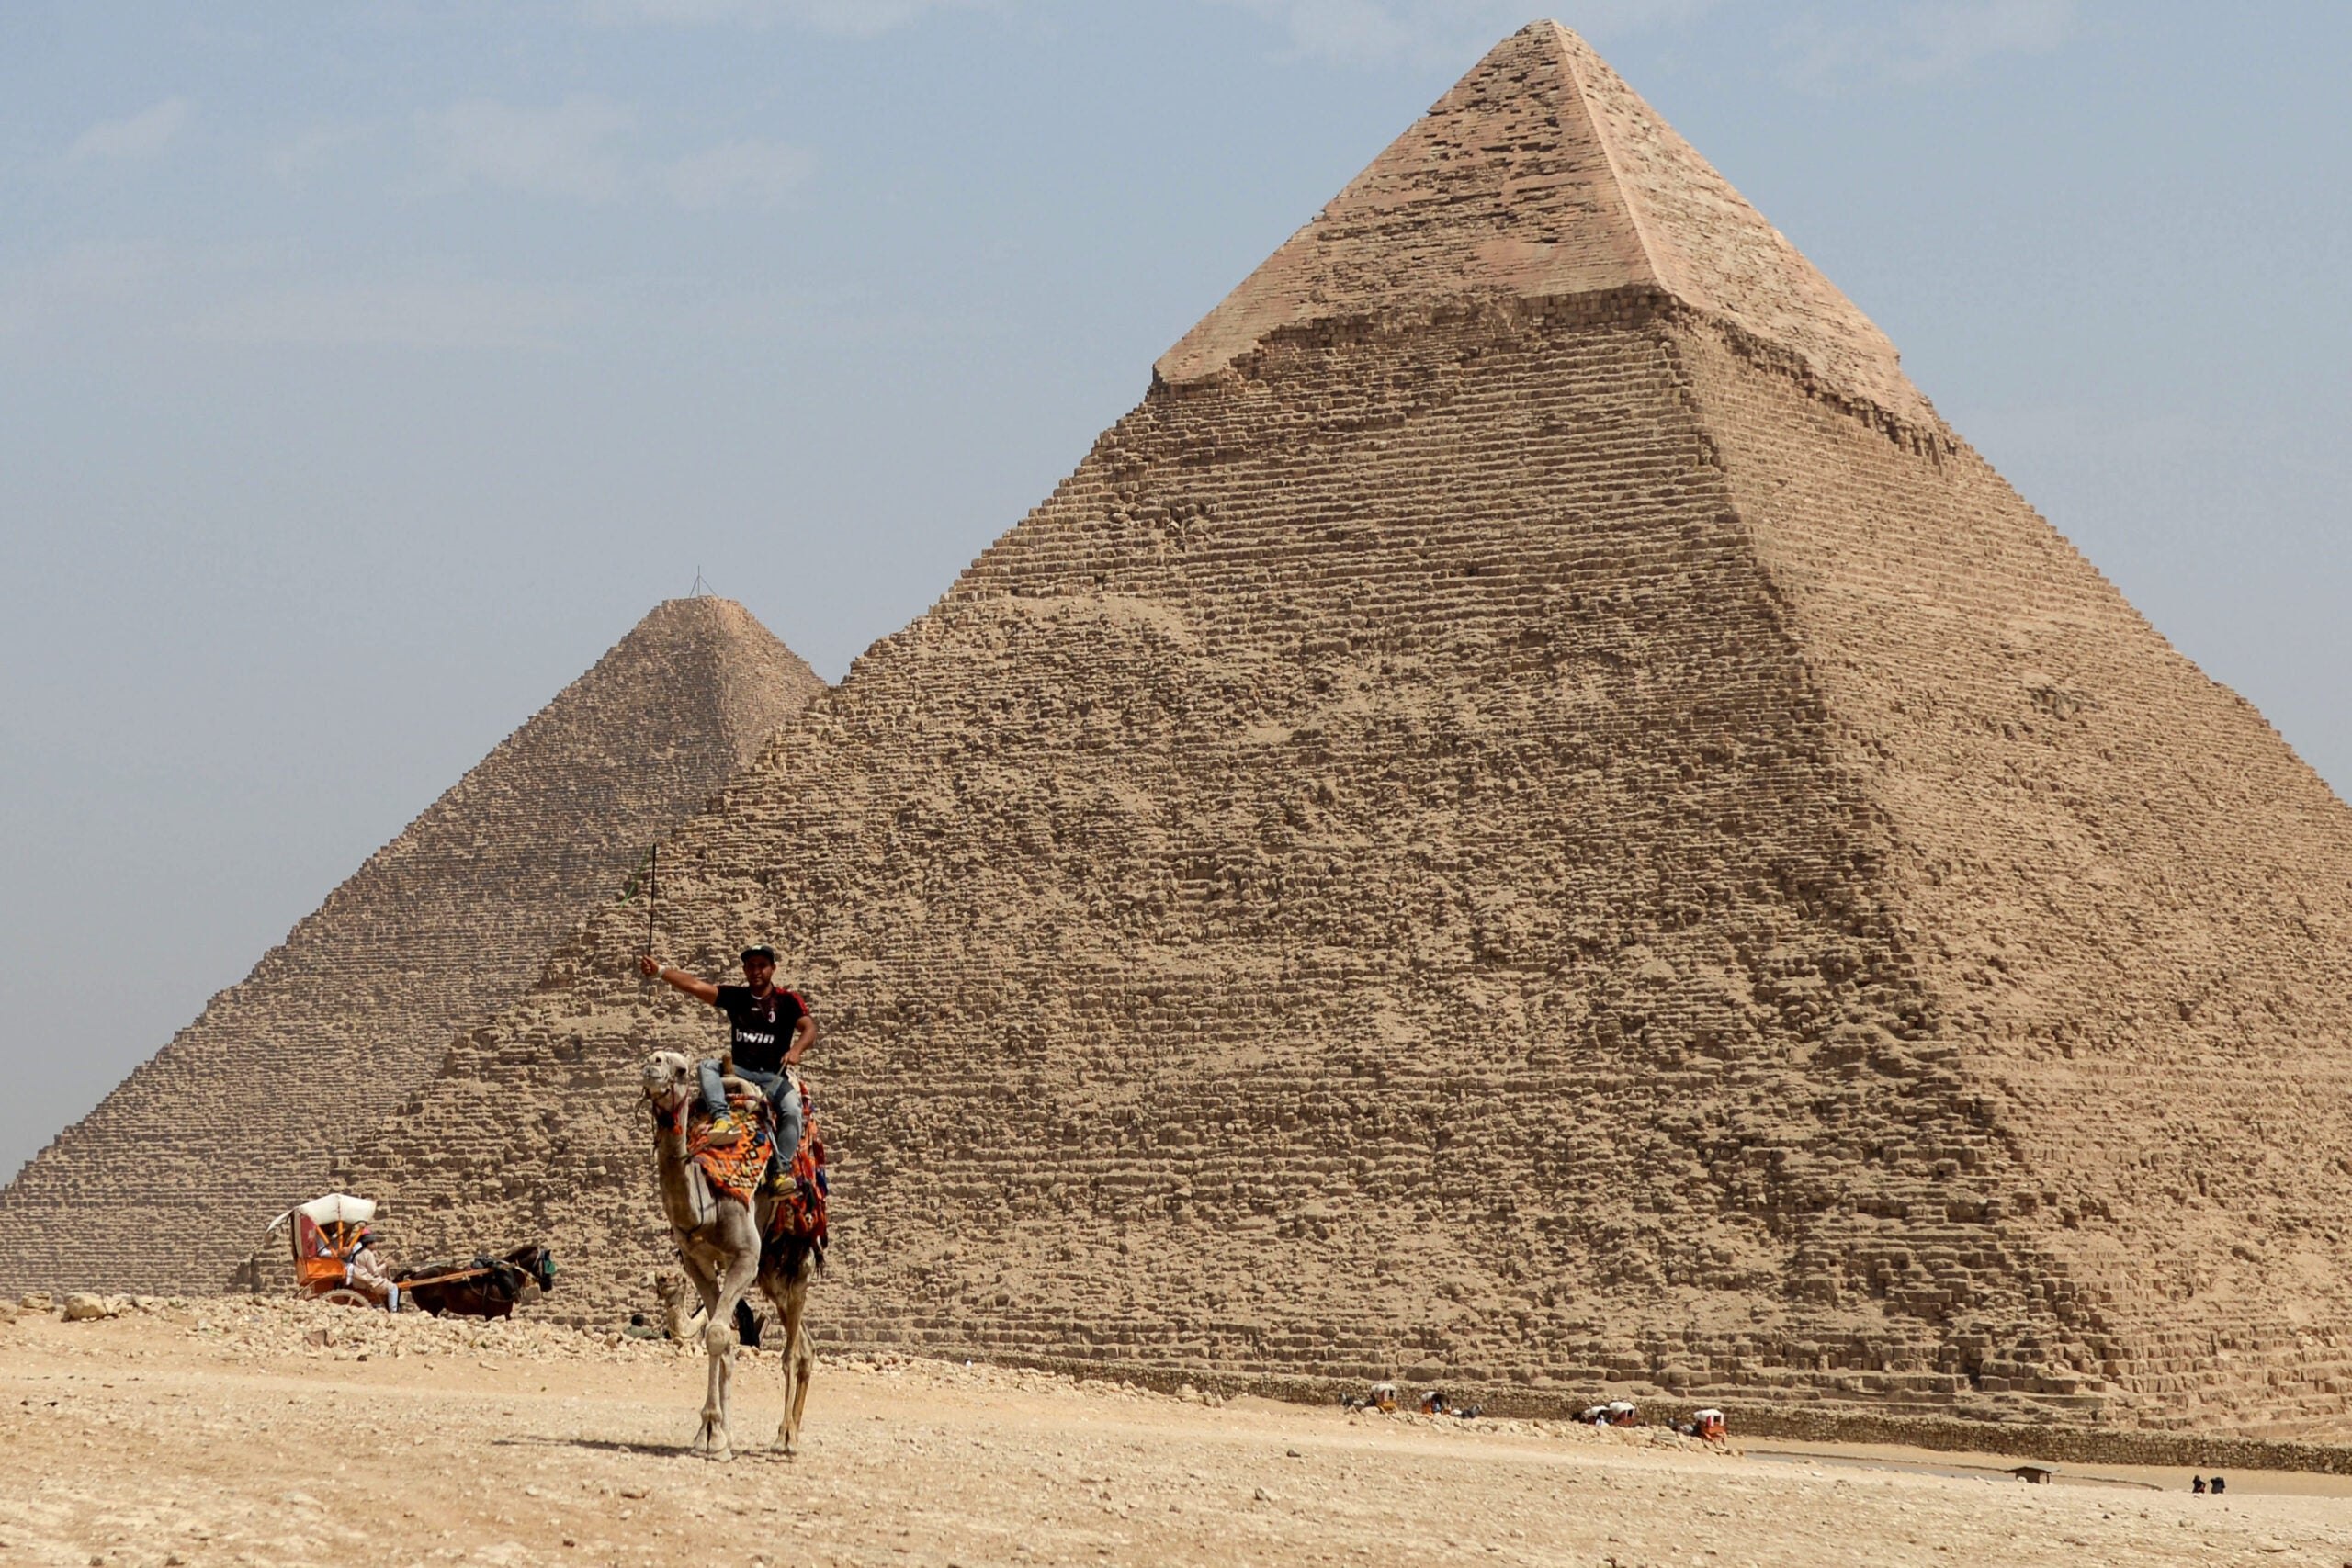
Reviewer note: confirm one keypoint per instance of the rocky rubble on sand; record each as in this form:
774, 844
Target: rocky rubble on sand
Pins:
974, 1377
84, 1306
243, 1326
253, 1329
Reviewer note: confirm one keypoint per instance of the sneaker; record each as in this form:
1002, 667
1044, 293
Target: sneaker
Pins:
722, 1132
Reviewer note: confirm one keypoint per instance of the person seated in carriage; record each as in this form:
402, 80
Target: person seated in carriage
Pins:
335, 1255
769, 1030
367, 1271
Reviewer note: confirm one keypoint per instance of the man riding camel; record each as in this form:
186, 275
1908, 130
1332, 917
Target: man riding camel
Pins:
770, 1029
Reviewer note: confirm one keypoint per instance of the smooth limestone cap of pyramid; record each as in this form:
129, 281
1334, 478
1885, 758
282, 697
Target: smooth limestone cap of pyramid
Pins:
1543, 176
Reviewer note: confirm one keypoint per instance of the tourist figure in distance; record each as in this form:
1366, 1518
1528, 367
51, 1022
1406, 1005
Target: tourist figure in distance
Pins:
366, 1272
769, 1029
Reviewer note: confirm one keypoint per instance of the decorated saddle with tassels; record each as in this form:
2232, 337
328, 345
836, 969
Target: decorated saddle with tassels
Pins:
733, 1147
798, 1185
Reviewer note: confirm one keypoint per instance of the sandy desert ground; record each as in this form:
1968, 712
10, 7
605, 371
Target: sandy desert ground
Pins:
222, 1433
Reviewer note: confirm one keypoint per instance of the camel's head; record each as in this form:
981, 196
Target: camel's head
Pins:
680, 1311
669, 1081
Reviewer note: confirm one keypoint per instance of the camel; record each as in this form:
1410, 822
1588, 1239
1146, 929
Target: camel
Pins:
681, 1313
719, 1243
679, 1320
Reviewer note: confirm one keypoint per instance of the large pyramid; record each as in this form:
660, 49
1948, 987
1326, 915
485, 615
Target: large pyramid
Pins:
168, 1183
1533, 818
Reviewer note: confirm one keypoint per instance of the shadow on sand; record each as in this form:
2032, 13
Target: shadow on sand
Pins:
644, 1451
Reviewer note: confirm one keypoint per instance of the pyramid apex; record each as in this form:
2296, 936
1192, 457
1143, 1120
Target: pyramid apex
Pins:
753, 680
709, 606
1541, 174
701, 615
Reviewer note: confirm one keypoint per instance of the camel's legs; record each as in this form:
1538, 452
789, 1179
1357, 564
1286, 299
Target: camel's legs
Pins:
798, 1355
718, 1344
804, 1366
700, 1274
704, 1279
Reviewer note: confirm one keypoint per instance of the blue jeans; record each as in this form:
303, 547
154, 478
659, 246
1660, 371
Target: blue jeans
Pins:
781, 1094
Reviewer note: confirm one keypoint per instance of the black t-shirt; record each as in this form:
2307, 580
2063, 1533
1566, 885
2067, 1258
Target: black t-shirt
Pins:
762, 1025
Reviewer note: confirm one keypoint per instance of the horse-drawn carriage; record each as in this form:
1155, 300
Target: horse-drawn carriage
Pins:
327, 1234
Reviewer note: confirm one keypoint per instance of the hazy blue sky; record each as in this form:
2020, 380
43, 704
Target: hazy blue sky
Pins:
366, 370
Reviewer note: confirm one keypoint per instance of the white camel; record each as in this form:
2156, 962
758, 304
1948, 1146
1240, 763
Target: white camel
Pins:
718, 1243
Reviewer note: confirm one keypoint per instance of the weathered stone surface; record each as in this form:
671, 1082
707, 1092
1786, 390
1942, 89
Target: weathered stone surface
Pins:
1531, 818
1542, 176
169, 1182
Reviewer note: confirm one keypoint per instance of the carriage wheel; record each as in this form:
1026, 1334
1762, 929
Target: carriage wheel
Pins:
344, 1296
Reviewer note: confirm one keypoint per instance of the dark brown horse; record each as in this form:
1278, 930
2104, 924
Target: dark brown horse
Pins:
485, 1287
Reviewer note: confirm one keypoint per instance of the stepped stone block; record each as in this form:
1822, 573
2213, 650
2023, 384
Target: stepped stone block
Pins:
167, 1184
1532, 816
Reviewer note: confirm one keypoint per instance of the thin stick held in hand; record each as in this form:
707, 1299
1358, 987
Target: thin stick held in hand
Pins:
652, 894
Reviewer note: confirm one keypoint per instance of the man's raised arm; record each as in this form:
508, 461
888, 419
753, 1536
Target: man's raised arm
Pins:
701, 990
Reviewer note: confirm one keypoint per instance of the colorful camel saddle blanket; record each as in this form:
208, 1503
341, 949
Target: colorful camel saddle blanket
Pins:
734, 1147
798, 1185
